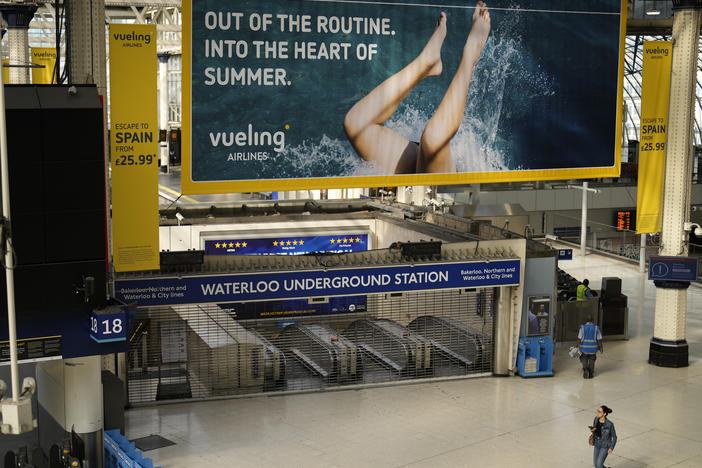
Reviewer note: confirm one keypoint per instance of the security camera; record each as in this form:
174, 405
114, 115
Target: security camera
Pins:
688, 226
72, 90
180, 217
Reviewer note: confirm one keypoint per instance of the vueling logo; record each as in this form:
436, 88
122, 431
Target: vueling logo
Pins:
132, 37
658, 50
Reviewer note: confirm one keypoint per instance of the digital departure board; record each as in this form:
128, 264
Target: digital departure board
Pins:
625, 220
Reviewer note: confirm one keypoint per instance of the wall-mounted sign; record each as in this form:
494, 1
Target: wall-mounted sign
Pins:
108, 324
565, 254
295, 308
285, 245
33, 348
539, 315
315, 283
672, 268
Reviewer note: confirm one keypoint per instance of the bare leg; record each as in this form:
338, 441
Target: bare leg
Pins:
363, 123
434, 148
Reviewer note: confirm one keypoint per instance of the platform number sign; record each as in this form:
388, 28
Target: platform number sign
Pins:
108, 327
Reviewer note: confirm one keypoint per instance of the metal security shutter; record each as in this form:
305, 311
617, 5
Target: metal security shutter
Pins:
201, 351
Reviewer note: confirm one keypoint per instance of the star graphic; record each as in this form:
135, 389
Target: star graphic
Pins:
302, 242
238, 244
217, 245
332, 241
288, 243
243, 244
345, 240
338, 241
358, 240
275, 243
294, 242
231, 244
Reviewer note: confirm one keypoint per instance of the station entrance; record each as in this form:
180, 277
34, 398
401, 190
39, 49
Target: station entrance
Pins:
201, 351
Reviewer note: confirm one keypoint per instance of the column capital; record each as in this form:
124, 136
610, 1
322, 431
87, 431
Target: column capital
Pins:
163, 57
18, 16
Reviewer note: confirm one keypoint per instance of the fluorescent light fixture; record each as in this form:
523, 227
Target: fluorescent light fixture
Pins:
654, 11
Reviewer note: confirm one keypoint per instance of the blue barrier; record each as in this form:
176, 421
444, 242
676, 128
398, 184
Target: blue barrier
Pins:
120, 453
539, 351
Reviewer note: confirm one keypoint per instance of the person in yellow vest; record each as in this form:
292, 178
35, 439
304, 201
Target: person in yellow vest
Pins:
584, 292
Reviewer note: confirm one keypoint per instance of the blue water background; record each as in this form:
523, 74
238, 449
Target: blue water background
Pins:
543, 94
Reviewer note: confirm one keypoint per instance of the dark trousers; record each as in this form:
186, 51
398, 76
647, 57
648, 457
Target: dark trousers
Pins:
588, 362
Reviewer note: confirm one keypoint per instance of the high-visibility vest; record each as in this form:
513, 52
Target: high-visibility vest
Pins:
588, 344
581, 292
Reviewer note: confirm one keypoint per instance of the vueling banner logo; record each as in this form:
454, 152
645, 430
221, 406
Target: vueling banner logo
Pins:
658, 50
51, 55
132, 39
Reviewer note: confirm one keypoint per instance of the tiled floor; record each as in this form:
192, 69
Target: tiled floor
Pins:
501, 422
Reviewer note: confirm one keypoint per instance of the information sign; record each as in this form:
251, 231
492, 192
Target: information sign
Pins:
673, 268
108, 325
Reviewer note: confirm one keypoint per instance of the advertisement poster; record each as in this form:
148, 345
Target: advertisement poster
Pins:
539, 315
300, 94
655, 98
284, 245
134, 146
45, 57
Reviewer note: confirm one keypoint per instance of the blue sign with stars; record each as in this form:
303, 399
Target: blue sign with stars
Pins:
295, 245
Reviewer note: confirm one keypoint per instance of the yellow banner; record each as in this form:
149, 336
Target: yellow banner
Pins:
5, 71
134, 146
45, 56
655, 92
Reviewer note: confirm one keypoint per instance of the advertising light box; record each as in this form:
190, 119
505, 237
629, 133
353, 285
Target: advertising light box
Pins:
302, 94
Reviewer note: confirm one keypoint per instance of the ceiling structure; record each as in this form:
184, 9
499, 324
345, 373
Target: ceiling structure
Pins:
646, 20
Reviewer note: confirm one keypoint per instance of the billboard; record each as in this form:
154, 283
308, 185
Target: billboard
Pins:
301, 94
285, 245
134, 146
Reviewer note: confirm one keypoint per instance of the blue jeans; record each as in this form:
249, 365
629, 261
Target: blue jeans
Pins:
600, 455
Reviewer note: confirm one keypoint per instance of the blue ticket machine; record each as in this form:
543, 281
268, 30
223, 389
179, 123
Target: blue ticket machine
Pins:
535, 353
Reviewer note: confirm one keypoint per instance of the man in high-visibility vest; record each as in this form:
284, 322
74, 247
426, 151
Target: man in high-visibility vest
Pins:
584, 292
589, 342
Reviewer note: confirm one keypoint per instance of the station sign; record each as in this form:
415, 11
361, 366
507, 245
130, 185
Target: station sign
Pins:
108, 324
565, 254
672, 268
314, 283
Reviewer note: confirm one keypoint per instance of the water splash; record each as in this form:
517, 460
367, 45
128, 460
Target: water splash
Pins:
480, 145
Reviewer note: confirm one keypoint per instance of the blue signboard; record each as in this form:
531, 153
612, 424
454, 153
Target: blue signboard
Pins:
295, 308
108, 324
565, 254
313, 283
673, 268
286, 245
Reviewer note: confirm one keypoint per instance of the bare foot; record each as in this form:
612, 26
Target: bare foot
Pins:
431, 55
478, 32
